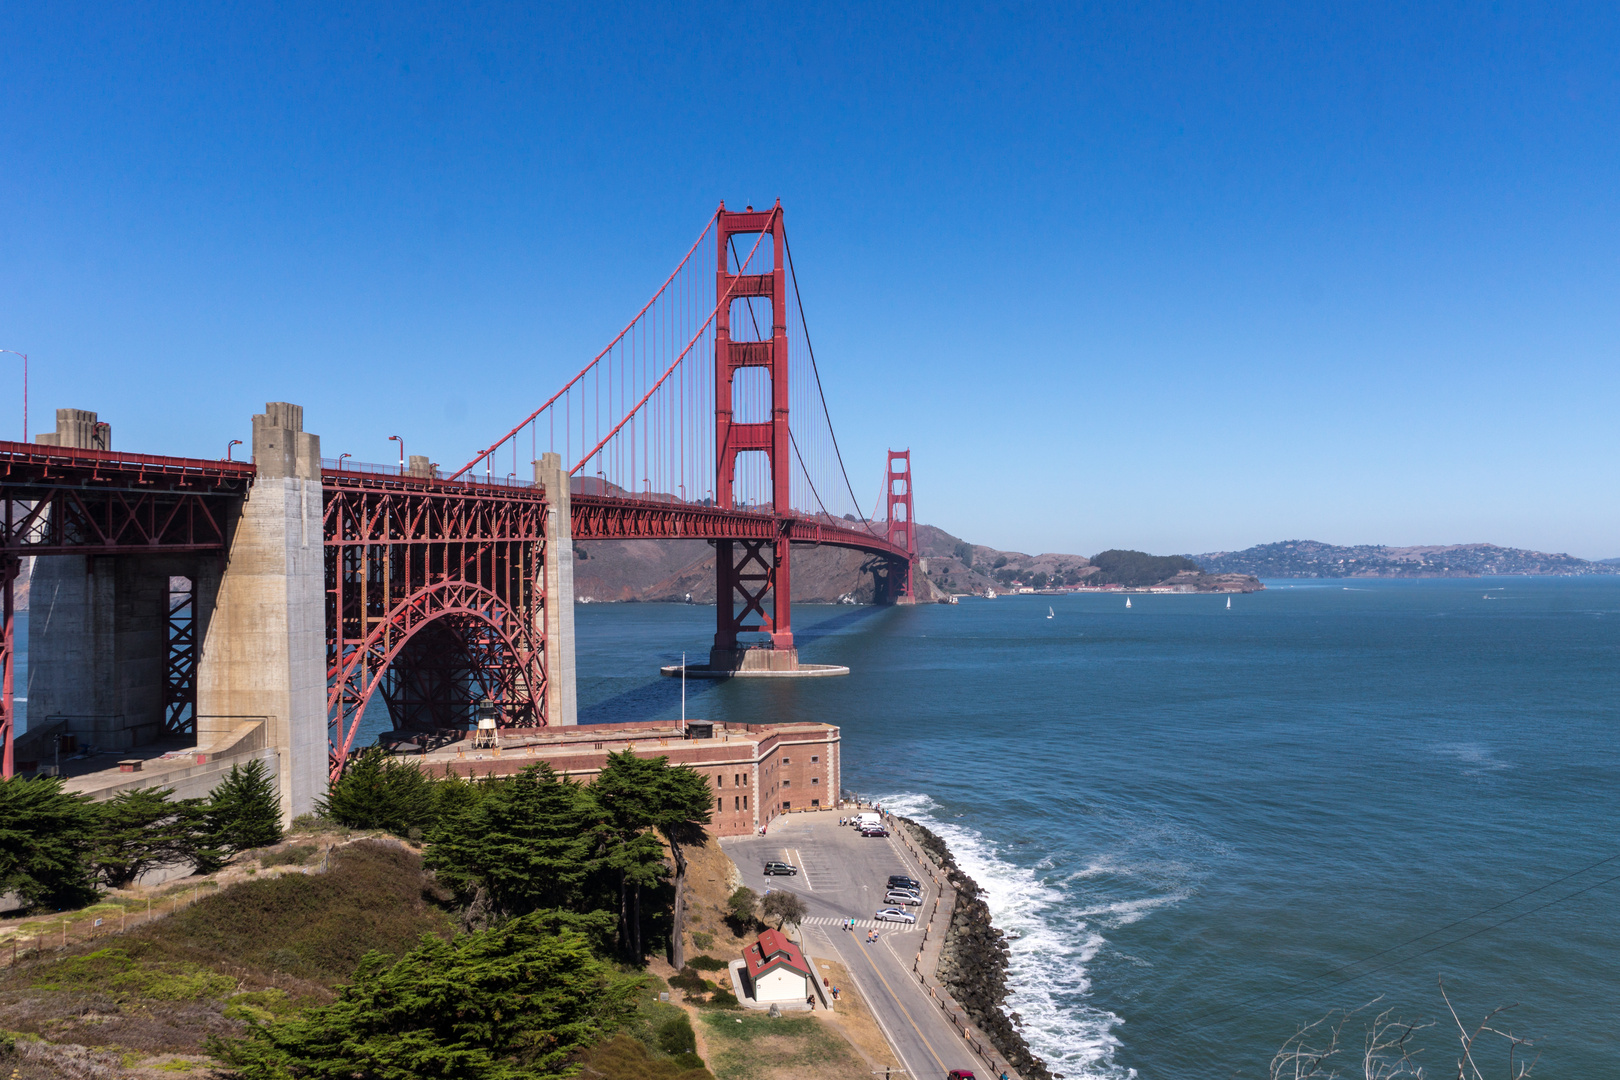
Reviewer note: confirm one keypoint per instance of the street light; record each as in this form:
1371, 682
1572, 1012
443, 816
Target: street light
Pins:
396, 438
340, 460
233, 442
24, 356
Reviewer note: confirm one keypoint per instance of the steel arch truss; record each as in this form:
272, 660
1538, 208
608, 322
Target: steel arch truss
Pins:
435, 592
479, 635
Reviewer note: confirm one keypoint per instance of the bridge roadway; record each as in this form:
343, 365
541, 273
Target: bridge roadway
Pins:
844, 875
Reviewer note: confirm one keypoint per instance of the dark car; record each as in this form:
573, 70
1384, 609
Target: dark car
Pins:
780, 868
900, 881
879, 831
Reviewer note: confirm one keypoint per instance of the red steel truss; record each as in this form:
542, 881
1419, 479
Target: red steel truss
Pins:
435, 592
57, 500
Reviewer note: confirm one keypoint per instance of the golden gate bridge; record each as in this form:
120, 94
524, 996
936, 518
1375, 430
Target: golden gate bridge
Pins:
703, 418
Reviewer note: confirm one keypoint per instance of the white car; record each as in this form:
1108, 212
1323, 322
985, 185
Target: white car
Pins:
894, 914
903, 896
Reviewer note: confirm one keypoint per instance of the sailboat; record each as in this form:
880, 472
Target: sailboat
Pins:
1228, 603
1050, 614
1127, 601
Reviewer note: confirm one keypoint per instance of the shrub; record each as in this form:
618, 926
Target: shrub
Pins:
516, 1000
740, 907
702, 940
120, 974
315, 927
45, 838
784, 907
707, 963
690, 981
675, 1035
724, 999
291, 855
379, 792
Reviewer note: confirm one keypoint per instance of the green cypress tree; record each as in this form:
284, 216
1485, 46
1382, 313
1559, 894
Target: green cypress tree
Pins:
379, 792
45, 840
637, 795
242, 813
529, 842
516, 1001
140, 830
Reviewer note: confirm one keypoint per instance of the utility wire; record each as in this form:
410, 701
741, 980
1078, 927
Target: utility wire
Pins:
813, 367
732, 241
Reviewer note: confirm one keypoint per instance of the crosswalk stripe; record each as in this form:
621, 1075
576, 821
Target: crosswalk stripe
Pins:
864, 924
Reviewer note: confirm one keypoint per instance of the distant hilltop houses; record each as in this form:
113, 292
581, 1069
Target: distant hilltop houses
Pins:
1314, 559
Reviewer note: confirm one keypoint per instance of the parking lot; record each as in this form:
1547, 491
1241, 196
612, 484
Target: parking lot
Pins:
843, 875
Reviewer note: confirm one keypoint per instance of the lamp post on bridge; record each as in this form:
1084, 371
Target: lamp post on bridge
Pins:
24, 356
229, 445
396, 438
340, 460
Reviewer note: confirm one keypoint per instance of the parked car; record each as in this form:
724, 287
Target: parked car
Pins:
959, 1074
877, 830
901, 896
900, 881
780, 868
894, 914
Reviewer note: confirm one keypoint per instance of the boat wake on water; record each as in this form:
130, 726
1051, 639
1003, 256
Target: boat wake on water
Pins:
1052, 940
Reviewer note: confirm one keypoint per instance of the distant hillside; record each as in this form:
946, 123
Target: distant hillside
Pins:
673, 571
1138, 568
1312, 558
955, 566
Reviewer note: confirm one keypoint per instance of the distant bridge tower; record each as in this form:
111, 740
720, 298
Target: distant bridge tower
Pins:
897, 488
753, 583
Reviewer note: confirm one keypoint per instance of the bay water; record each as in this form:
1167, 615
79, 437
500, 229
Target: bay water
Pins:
1202, 827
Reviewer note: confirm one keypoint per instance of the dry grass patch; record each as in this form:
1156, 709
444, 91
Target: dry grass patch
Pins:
710, 881
853, 1020
754, 1046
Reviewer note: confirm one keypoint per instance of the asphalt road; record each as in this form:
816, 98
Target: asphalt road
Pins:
844, 875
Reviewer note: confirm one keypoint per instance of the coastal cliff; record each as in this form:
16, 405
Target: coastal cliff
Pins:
973, 962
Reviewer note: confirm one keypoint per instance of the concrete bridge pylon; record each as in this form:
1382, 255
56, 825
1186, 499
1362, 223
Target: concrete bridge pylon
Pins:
263, 650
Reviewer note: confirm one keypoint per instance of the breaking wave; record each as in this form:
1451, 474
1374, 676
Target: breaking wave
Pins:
1051, 943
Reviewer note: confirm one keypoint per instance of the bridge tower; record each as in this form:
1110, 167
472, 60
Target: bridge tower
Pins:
752, 575
897, 489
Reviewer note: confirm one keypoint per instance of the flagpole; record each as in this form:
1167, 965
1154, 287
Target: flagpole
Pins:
683, 693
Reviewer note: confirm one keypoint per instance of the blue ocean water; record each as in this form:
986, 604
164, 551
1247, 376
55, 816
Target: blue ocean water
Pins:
1204, 827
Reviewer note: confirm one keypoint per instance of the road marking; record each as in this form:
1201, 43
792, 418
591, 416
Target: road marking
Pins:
900, 1004
894, 1044
798, 860
828, 920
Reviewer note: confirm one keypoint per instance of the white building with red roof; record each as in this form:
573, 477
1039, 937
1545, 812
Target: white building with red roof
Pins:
776, 969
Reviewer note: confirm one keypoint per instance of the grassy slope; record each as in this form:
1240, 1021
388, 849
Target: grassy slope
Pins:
148, 998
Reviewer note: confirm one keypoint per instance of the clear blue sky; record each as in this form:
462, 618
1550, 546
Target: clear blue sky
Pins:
1176, 277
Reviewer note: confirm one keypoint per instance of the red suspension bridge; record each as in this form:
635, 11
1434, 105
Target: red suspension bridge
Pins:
703, 418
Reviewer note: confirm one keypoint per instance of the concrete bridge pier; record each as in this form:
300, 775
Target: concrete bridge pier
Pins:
556, 615
97, 632
263, 650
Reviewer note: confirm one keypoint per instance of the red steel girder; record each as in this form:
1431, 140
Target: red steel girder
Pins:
407, 553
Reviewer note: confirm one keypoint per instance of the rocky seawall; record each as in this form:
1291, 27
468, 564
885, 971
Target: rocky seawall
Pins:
973, 962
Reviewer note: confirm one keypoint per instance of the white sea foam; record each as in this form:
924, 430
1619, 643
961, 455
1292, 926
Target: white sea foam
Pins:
1050, 943
1478, 757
